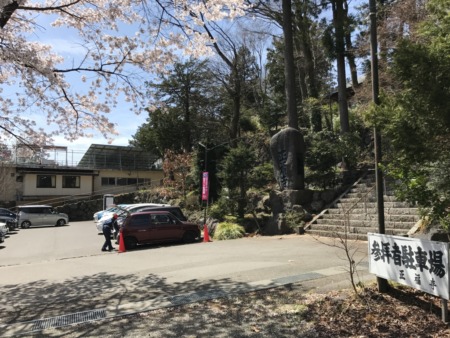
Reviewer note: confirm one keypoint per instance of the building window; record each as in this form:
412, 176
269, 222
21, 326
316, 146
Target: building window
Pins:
71, 182
121, 181
108, 181
46, 181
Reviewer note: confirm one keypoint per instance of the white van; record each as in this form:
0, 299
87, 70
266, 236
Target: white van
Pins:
36, 215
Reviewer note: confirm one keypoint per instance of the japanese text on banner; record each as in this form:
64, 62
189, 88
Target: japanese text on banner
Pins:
418, 263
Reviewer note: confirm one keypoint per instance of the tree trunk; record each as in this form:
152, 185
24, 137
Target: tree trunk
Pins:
6, 12
289, 66
338, 21
234, 128
187, 116
304, 43
349, 49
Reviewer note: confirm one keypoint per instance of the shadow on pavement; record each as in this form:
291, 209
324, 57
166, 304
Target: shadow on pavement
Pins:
40, 300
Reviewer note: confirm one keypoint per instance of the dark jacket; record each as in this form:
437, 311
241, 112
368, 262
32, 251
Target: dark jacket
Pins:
111, 224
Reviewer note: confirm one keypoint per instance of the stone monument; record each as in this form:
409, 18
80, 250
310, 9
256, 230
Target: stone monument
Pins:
287, 148
288, 152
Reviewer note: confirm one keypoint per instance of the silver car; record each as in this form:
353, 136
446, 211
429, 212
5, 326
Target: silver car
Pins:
3, 232
3, 229
36, 215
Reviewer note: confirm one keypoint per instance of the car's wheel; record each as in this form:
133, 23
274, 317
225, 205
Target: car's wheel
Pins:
60, 223
189, 237
130, 243
25, 224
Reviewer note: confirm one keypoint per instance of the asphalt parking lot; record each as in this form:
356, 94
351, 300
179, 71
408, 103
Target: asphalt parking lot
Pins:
52, 271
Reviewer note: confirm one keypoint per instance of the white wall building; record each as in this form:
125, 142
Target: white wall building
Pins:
104, 169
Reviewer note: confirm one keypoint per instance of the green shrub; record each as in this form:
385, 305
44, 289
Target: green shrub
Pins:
192, 201
294, 219
228, 230
224, 206
230, 219
262, 175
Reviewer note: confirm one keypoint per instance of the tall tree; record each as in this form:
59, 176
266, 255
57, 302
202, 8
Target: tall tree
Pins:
237, 166
308, 56
276, 116
311, 67
349, 24
289, 65
415, 117
241, 72
339, 18
180, 105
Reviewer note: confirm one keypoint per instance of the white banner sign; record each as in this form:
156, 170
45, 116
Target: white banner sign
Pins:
421, 264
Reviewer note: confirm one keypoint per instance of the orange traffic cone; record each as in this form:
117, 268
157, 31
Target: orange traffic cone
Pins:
121, 244
205, 234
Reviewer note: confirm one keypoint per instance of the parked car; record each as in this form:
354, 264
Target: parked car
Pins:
10, 218
156, 227
3, 230
99, 214
35, 215
2, 237
171, 208
123, 212
174, 210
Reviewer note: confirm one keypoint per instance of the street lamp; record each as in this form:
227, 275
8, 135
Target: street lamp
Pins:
205, 185
382, 283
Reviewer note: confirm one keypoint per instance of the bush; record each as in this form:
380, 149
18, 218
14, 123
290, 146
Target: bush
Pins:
294, 219
228, 230
224, 206
262, 175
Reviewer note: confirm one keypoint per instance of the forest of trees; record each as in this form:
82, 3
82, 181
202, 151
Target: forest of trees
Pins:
219, 79
236, 100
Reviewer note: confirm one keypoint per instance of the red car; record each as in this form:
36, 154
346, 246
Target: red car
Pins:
156, 227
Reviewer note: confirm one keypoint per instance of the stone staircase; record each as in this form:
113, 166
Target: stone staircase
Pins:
355, 213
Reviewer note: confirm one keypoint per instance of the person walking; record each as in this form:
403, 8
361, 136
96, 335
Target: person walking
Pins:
107, 229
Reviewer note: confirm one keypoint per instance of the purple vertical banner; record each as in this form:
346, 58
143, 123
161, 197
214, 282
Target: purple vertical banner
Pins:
205, 186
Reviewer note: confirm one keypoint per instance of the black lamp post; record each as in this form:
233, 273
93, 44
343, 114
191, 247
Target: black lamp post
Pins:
205, 181
205, 171
382, 283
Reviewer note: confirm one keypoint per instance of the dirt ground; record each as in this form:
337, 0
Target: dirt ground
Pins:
282, 312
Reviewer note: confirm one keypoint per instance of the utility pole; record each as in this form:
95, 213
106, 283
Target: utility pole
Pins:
382, 283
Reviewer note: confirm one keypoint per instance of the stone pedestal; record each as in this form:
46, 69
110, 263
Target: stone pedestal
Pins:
282, 202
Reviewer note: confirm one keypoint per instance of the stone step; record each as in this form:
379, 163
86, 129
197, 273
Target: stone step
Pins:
372, 211
352, 233
368, 197
356, 213
319, 233
364, 223
371, 203
372, 217
364, 189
